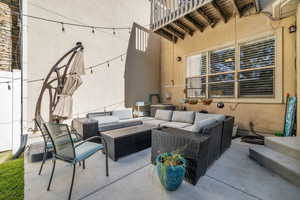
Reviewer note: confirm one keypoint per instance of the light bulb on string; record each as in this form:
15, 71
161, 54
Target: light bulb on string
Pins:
91, 70
8, 86
62, 27
114, 32
107, 64
93, 30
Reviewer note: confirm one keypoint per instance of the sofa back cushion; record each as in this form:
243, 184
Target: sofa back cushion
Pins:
106, 119
165, 115
123, 114
183, 116
198, 126
203, 116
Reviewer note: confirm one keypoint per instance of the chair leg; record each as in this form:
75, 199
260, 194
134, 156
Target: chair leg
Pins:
73, 176
54, 162
83, 164
44, 159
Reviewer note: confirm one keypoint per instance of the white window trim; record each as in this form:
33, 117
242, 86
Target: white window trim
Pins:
278, 83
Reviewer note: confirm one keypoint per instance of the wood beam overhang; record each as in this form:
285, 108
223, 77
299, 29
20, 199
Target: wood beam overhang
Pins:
167, 35
175, 31
195, 22
184, 27
209, 21
236, 7
219, 11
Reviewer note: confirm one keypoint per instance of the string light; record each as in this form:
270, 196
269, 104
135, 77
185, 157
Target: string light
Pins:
87, 68
114, 32
62, 27
93, 30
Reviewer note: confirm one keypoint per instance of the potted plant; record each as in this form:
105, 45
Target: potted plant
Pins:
171, 170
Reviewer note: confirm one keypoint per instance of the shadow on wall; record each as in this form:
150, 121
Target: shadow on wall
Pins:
142, 68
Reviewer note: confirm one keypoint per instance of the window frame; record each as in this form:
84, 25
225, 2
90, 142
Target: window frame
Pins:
277, 97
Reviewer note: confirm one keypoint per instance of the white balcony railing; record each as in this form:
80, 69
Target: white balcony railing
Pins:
165, 11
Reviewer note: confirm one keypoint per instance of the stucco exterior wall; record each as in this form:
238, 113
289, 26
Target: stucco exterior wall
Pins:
47, 43
267, 117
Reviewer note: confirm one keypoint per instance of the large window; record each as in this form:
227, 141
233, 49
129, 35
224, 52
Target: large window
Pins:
245, 71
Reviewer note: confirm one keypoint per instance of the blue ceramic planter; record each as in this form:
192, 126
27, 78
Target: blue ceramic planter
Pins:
170, 177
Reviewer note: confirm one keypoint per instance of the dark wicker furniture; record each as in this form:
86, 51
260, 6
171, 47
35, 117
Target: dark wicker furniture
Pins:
200, 149
125, 141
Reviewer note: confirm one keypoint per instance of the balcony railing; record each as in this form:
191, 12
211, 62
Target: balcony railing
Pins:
165, 11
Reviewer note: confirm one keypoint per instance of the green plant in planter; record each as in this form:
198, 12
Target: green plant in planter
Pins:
171, 170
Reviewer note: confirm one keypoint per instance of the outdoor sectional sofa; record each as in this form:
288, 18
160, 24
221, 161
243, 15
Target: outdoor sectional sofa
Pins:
201, 138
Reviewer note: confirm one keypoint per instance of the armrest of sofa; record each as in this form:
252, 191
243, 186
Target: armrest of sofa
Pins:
86, 128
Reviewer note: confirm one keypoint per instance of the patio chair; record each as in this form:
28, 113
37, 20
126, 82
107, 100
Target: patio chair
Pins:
48, 147
65, 150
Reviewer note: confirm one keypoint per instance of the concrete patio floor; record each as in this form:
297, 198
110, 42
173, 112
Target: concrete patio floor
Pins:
234, 176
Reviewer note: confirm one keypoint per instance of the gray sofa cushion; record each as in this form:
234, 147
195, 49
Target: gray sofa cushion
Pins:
165, 115
123, 114
218, 117
183, 116
176, 124
106, 119
202, 116
117, 125
198, 126
155, 122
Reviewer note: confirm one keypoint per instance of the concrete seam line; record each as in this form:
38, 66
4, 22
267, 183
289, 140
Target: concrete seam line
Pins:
235, 188
118, 179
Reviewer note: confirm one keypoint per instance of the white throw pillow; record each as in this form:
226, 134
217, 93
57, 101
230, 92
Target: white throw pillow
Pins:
106, 119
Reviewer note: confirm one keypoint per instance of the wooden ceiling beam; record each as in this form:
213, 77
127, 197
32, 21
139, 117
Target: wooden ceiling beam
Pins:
184, 27
236, 7
219, 11
175, 31
167, 35
209, 21
195, 22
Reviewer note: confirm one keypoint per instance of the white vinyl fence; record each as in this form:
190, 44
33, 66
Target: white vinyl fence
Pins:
10, 110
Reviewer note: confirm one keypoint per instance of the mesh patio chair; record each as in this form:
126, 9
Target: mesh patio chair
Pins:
64, 149
48, 147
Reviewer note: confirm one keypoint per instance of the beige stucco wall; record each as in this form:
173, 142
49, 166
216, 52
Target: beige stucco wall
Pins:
267, 117
47, 43
142, 69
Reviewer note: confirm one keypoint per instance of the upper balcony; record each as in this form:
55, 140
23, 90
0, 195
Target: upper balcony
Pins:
173, 19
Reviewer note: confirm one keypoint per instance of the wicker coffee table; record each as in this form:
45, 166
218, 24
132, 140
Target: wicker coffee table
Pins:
125, 141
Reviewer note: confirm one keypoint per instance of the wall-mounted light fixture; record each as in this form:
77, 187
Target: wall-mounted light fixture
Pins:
292, 29
178, 59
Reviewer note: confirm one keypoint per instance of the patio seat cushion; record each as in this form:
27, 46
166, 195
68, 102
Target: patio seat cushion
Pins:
198, 126
176, 124
165, 115
155, 122
123, 114
183, 116
118, 125
86, 150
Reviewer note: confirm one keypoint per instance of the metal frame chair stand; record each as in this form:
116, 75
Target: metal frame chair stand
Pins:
65, 150
48, 147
